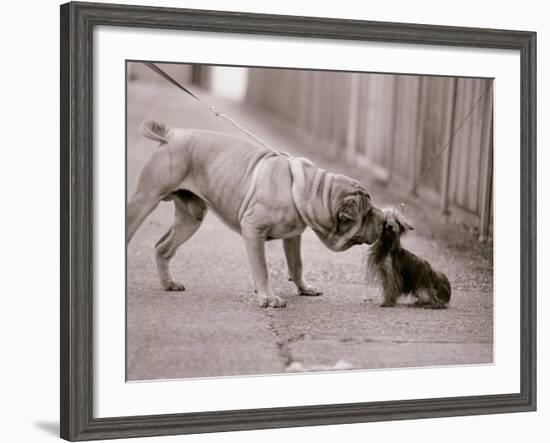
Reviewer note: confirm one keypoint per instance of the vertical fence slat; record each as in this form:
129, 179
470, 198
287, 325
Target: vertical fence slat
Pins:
419, 139
447, 155
486, 169
474, 170
463, 137
393, 128
353, 101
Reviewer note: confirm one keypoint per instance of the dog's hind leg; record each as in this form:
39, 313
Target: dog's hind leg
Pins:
427, 298
139, 207
190, 210
154, 184
294, 261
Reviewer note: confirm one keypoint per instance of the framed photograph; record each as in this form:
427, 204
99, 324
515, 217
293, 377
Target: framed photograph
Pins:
273, 221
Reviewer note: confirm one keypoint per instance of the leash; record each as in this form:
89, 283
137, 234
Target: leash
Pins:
214, 110
445, 147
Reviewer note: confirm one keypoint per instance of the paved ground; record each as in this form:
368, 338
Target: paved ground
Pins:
216, 328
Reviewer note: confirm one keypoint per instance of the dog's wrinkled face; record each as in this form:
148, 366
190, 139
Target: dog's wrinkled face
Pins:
356, 221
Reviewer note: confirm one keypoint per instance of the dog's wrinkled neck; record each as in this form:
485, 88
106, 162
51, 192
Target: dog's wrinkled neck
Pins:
307, 192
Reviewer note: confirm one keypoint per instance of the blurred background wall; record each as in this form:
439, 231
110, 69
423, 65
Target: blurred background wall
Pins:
393, 125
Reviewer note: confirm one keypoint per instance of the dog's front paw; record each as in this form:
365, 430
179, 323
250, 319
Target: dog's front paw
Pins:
306, 289
309, 291
172, 285
273, 301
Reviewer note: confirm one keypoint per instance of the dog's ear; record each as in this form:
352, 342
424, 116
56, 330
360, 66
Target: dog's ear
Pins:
348, 210
354, 206
403, 222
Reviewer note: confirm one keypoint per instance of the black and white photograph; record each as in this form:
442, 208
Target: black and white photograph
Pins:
287, 221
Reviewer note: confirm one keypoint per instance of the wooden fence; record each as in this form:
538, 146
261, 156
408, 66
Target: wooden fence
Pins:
396, 125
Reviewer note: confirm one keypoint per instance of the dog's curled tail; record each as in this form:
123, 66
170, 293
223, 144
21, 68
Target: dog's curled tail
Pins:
155, 131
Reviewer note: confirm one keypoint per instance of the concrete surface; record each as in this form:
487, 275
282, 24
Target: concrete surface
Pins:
215, 327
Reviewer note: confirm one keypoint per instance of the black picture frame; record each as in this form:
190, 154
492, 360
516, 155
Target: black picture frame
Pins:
77, 23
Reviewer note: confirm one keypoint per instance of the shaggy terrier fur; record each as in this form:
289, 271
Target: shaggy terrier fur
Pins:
401, 272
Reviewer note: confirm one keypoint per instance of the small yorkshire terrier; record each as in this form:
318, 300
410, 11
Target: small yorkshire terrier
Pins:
402, 272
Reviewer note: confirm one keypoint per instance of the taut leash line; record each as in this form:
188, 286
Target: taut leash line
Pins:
215, 111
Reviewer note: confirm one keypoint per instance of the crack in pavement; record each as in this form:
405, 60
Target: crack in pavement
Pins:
290, 364
283, 344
